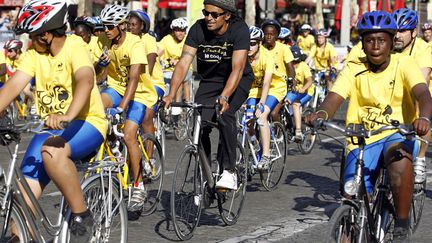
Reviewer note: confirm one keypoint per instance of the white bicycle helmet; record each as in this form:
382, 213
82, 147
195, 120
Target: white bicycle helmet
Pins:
180, 23
39, 16
256, 33
114, 14
306, 27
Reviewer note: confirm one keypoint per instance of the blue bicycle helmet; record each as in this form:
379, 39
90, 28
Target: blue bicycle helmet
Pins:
255, 33
376, 21
271, 22
298, 54
98, 25
406, 19
143, 17
284, 33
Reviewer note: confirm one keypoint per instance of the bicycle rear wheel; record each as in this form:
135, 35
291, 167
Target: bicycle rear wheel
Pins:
186, 193
153, 172
16, 223
278, 154
417, 203
110, 219
343, 225
309, 137
230, 202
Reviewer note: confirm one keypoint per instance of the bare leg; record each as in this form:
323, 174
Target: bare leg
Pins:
130, 137
265, 131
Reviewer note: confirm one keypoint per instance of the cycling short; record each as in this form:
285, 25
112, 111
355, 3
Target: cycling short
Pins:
322, 75
1, 84
135, 110
168, 76
271, 103
373, 156
78, 132
302, 98
160, 94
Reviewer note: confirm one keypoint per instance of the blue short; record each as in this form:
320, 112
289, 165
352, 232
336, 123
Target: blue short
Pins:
135, 111
77, 134
1, 84
160, 94
373, 156
270, 102
322, 75
302, 98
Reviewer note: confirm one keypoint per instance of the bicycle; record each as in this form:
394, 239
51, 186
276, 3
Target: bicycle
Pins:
152, 159
320, 87
25, 227
362, 219
309, 135
278, 150
194, 181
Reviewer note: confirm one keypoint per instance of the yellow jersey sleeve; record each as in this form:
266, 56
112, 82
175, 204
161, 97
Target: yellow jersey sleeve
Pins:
288, 56
137, 53
27, 63
150, 44
344, 82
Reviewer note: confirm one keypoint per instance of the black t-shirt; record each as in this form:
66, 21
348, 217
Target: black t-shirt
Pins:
214, 53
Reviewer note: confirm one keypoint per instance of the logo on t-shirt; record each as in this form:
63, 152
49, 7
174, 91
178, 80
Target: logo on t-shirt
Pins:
215, 53
53, 99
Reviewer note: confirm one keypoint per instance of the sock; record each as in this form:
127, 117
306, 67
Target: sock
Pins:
139, 185
82, 214
422, 159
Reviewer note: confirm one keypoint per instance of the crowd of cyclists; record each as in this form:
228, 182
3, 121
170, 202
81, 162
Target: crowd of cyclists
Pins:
112, 65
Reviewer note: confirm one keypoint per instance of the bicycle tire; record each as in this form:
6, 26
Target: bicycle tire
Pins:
181, 128
417, 204
17, 217
187, 193
96, 196
234, 199
344, 219
153, 173
278, 148
309, 137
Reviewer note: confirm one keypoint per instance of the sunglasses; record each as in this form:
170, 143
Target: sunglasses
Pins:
214, 15
253, 43
109, 26
11, 50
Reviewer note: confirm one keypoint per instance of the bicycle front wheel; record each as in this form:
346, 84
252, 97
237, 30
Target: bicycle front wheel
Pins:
16, 230
417, 203
343, 225
153, 172
278, 155
186, 193
230, 202
107, 207
309, 137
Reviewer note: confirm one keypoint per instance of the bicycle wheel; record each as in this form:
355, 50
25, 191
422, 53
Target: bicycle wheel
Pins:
230, 202
16, 223
181, 128
110, 219
309, 137
278, 154
186, 193
417, 203
160, 134
153, 172
343, 225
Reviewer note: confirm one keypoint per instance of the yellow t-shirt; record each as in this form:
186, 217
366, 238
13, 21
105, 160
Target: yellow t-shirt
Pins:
157, 75
2, 60
55, 82
305, 43
11, 66
92, 45
281, 55
421, 52
172, 50
356, 54
131, 51
261, 66
377, 98
302, 73
323, 58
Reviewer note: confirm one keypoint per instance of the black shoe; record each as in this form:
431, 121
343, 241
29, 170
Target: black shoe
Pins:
401, 235
81, 228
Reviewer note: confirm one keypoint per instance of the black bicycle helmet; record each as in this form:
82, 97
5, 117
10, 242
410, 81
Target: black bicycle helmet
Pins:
271, 22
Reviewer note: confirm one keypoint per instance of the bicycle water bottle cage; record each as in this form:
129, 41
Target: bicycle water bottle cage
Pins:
356, 131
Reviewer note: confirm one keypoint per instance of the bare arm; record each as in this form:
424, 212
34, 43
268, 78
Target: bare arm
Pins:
181, 69
426, 74
134, 76
327, 109
239, 59
160, 52
84, 78
12, 88
423, 97
308, 83
151, 58
266, 86
2, 69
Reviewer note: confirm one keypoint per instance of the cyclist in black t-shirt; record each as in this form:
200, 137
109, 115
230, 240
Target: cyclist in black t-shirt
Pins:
220, 42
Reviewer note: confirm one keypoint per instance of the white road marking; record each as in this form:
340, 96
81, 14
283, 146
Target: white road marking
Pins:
169, 172
331, 139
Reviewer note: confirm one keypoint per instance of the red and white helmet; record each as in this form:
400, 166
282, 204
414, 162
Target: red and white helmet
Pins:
38, 16
13, 44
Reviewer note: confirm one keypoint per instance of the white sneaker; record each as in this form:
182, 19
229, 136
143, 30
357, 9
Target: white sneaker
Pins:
227, 180
419, 165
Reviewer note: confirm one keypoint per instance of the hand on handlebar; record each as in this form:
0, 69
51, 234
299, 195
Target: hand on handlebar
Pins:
224, 105
56, 121
167, 100
421, 126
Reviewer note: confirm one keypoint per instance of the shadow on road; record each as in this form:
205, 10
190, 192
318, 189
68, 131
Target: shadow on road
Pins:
324, 196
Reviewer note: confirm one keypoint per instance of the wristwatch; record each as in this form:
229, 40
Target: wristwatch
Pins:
222, 97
